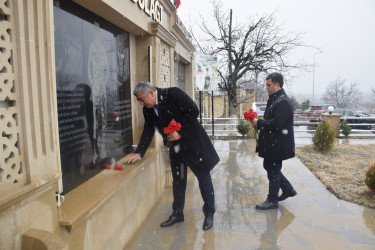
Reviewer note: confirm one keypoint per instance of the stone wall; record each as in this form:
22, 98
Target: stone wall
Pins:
11, 159
165, 65
221, 104
112, 205
30, 157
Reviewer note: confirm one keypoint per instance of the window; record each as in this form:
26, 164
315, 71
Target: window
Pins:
179, 74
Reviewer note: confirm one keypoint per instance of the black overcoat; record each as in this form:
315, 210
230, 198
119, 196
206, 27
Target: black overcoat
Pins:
276, 138
194, 146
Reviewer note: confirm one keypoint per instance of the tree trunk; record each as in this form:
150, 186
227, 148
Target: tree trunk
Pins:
232, 112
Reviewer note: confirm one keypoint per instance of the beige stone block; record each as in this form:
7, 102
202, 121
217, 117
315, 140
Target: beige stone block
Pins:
39, 213
126, 232
334, 122
95, 220
105, 222
36, 239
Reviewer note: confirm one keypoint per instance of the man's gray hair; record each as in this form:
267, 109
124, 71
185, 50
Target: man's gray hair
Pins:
143, 87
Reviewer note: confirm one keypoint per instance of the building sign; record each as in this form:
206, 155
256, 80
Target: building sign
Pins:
206, 72
153, 8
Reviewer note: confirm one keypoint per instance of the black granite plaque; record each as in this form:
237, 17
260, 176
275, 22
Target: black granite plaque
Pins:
93, 92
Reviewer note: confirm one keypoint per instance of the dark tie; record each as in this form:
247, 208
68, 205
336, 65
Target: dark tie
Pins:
156, 108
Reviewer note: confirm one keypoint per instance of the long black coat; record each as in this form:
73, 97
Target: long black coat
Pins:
276, 138
195, 146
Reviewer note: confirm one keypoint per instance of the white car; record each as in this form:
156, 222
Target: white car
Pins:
259, 107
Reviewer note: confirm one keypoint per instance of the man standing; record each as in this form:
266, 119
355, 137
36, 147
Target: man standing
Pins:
276, 140
191, 146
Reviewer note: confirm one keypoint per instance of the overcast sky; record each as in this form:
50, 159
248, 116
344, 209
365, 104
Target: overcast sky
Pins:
343, 29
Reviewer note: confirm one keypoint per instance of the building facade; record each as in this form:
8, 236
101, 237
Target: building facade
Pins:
221, 103
68, 68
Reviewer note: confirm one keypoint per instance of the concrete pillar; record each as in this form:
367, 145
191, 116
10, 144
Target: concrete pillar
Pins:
334, 122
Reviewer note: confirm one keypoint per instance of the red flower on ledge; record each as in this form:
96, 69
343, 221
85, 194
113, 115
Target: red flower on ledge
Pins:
117, 166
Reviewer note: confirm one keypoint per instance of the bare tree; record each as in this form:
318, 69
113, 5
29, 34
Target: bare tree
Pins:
242, 49
255, 81
341, 94
372, 100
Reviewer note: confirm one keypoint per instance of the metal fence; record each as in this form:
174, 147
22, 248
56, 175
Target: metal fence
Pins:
304, 126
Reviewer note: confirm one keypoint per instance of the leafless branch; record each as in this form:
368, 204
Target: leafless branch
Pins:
259, 46
341, 94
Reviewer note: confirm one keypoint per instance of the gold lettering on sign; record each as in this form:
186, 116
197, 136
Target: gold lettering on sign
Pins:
157, 10
141, 4
147, 7
153, 8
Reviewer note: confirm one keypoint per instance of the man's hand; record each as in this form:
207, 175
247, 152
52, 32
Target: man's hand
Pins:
174, 137
254, 122
132, 158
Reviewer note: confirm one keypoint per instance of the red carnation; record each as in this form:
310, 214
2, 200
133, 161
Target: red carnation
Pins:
172, 127
250, 115
168, 130
118, 166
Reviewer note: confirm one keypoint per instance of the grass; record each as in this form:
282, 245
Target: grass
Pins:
342, 170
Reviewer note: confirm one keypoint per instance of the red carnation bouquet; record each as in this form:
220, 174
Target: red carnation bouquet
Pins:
249, 116
172, 127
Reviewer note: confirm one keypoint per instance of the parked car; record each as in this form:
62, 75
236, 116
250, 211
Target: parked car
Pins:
317, 110
361, 113
320, 108
356, 119
259, 107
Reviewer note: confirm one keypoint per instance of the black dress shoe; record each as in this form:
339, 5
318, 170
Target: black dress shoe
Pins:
208, 222
172, 220
267, 205
284, 196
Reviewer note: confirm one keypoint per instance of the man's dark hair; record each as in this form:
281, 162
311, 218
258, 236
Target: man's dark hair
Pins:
276, 78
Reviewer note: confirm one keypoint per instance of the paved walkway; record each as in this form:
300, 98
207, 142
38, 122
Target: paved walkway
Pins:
314, 219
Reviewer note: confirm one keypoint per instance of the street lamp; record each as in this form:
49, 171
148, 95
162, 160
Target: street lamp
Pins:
313, 99
331, 109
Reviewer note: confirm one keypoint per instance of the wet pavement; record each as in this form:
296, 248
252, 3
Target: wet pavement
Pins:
314, 219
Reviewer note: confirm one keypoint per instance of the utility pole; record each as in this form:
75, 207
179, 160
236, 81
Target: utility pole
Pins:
313, 99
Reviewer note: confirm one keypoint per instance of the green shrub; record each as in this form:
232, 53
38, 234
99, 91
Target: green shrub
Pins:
323, 137
370, 177
243, 127
345, 128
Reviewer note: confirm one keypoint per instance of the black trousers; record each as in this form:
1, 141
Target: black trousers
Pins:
276, 179
179, 174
